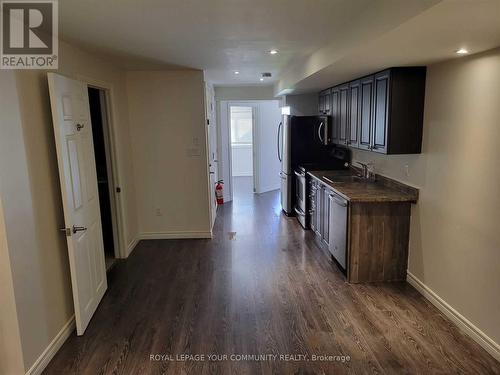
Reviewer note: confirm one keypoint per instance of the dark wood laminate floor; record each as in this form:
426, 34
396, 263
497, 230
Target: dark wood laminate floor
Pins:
261, 286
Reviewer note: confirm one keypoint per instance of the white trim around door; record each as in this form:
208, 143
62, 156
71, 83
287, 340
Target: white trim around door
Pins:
117, 205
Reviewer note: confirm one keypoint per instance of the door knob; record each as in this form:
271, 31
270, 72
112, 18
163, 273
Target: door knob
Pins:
78, 229
79, 127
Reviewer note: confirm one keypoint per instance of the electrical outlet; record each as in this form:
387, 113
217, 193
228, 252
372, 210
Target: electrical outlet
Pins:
407, 170
158, 212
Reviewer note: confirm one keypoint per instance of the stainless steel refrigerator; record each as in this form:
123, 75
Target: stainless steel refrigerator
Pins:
301, 139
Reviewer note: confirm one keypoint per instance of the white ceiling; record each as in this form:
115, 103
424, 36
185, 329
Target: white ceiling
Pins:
218, 36
320, 41
431, 36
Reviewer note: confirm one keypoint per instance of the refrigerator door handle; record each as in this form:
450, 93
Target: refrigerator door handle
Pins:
321, 125
279, 131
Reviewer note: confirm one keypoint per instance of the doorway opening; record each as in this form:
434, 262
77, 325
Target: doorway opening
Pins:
100, 134
242, 151
249, 128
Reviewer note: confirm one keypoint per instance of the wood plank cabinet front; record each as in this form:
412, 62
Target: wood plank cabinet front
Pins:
377, 235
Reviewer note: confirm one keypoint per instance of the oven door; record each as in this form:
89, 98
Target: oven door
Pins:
300, 197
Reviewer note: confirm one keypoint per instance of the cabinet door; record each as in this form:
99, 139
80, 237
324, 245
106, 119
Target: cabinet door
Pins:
327, 103
344, 113
380, 113
324, 102
366, 113
335, 111
325, 218
354, 113
312, 205
321, 106
319, 210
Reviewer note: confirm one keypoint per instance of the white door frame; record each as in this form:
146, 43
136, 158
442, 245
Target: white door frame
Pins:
114, 179
255, 153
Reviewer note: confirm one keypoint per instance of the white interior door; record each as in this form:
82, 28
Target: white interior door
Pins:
212, 148
77, 173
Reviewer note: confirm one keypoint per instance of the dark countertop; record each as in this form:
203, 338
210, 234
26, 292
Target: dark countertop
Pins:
382, 189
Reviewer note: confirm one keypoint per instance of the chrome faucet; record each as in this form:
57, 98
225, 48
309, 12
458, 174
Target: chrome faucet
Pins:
367, 170
364, 169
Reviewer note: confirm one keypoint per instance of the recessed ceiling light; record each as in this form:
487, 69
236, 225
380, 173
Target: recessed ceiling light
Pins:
461, 51
273, 51
236, 72
262, 79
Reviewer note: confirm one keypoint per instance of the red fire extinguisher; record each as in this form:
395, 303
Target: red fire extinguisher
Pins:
219, 194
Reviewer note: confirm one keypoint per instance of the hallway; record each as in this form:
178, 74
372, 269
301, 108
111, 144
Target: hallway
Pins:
261, 286
243, 190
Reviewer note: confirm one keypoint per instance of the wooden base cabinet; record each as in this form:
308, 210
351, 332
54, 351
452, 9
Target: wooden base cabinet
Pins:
368, 239
378, 237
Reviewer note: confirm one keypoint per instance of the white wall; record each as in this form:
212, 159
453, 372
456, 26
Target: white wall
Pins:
303, 104
11, 353
455, 241
34, 257
39, 260
242, 160
14, 190
39, 267
167, 121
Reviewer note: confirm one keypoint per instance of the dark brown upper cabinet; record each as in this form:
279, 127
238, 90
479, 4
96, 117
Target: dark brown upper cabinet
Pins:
380, 123
325, 102
354, 113
343, 113
335, 112
382, 112
366, 113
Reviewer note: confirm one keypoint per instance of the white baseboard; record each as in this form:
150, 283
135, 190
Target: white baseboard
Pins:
462, 322
51, 350
131, 246
174, 235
